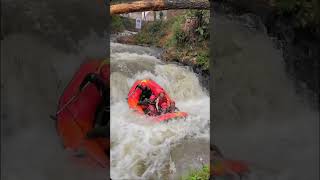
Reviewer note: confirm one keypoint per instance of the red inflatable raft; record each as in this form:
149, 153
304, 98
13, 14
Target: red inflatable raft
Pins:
76, 115
221, 167
133, 99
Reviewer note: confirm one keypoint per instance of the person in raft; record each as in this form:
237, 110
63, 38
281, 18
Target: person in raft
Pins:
102, 119
172, 108
146, 99
153, 105
163, 106
161, 103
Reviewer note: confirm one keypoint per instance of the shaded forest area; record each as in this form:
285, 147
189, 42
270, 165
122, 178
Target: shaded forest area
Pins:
296, 26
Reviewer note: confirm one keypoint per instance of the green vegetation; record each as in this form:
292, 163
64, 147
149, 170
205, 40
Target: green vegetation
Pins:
201, 174
203, 59
203, 17
151, 33
179, 38
304, 12
189, 46
119, 24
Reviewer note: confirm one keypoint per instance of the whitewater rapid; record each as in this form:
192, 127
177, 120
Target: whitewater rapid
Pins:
141, 149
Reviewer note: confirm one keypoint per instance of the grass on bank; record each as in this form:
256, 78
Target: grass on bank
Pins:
200, 174
170, 35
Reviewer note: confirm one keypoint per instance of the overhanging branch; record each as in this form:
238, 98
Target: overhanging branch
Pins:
157, 5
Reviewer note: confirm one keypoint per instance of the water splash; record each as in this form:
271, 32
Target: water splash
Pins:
141, 149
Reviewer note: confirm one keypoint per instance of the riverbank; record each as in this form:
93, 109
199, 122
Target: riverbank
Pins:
184, 40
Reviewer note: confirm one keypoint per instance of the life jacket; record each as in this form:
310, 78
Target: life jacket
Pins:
163, 100
145, 94
163, 103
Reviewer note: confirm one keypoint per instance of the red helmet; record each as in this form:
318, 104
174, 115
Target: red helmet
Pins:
105, 72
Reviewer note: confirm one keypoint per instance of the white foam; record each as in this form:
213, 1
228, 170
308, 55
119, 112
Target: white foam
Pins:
140, 148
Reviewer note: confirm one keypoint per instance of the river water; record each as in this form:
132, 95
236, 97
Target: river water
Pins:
141, 149
258, 117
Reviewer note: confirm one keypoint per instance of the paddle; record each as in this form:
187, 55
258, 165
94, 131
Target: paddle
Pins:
54, 117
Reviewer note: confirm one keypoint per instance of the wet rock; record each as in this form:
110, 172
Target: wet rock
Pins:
126, 40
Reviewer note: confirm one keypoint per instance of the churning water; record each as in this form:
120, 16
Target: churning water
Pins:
141, 149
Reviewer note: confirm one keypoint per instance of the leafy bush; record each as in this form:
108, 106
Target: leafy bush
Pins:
129, 24
202, 174
151, 33
180, 37
203, 17
155, 27
203, 59
117, 24
306, 12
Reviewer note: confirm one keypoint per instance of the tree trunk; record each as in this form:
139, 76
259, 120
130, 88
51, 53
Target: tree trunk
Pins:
157, 5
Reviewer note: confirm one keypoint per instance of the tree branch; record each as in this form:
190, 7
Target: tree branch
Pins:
157, 5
